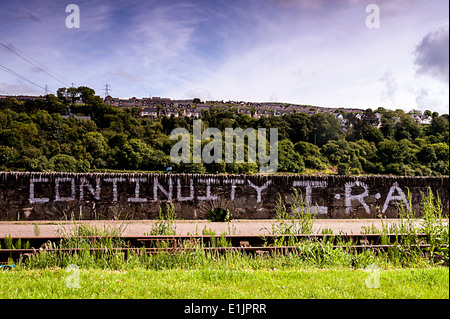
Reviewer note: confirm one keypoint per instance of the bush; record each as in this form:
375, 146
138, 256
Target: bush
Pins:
342, 169
218, 215
63, 163
314, 162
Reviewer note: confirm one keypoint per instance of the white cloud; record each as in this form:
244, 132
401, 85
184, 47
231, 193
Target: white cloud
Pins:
200, 93
391, 87
432, 54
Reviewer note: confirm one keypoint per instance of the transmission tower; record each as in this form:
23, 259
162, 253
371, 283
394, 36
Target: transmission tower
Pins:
107, 89
46, 89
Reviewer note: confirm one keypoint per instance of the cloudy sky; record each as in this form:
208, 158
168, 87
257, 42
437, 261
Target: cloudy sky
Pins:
315, 52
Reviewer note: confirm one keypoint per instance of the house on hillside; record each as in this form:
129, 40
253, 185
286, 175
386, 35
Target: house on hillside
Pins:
261, 113
26, 98
422, 119
244, 111
341, 118
149, 112
169, 112
189, 112
203, 107
281, 112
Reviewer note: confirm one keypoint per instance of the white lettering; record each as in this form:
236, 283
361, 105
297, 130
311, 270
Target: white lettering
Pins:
58, 180
259, 189
208, 196
136, 198
114, 182
373, 19
390, 197
95, 193
157, 185
73, 19
233, 183
33, 199
191, 191
360, 197
309, 185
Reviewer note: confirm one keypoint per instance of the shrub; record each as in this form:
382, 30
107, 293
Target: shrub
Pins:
63, 163
342, 169
218, 215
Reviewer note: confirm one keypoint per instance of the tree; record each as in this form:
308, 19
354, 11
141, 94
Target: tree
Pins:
135, 154
439, 125
299, 127
95, 144
288, 158
325, 128
337, 151
427, 154
53, 105
63, 163
407, 128
371, 134
85, 93
8, 156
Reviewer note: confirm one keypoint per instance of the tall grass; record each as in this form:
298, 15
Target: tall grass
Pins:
311, 253
432, 223
293, 218
165, 224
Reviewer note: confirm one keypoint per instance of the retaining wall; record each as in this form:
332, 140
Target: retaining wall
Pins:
54, 196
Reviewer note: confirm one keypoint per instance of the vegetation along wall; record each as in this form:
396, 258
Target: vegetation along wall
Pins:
54, 196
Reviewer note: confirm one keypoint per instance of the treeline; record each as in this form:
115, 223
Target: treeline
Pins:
35, 137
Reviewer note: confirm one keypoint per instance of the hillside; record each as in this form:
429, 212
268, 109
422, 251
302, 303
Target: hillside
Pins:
80, 133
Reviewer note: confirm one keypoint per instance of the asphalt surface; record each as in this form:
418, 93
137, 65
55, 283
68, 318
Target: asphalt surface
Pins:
183, 227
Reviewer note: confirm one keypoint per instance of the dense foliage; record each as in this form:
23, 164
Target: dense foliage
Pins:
35, 137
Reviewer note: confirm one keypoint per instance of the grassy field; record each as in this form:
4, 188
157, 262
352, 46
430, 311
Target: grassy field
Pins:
219, 283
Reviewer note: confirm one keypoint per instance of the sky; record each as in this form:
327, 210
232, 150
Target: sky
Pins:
329, 53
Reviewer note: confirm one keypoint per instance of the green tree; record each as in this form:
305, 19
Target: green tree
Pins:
325, 128
63, 163
288, 159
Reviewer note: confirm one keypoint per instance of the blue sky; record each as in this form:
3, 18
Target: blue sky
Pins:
316, 52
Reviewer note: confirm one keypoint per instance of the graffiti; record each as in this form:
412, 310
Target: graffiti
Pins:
309, 185
259, 189
204, 190
32, 198
390, 197
359, 197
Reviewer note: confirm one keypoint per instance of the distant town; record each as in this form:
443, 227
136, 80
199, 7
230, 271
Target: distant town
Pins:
154, 107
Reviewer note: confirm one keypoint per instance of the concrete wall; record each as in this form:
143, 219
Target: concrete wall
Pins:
37, 196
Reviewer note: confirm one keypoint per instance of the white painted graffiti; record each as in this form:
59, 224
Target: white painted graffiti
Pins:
206, 189
309, 185
360, 197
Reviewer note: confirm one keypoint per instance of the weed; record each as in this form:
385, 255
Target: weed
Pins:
208, 231
294, 218
165, 224
36, 229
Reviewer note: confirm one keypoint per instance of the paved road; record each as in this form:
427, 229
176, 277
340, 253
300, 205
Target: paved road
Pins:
183, 227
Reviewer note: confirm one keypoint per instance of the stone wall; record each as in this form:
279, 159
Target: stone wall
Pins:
54, 196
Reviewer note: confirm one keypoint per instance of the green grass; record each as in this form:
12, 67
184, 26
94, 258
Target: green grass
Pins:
226, 283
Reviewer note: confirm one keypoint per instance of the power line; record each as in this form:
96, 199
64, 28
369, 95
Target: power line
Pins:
16, 51
4, 68
107, 89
